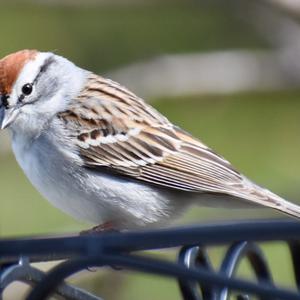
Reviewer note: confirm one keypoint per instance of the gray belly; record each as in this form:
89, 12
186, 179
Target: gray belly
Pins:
93, 196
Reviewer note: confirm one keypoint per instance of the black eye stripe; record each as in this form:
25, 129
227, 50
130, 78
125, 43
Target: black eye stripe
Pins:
21, 98
43, 68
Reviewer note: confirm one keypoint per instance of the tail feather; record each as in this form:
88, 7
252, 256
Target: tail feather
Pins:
283, 205
266, 198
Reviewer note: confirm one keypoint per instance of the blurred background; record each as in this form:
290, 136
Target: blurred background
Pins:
228, 72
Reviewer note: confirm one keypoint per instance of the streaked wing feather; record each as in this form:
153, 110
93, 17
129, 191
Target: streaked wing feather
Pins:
116, 129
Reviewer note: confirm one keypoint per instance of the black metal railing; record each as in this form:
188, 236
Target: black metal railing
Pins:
197, 277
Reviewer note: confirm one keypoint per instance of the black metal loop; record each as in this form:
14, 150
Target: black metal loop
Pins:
25, 273
195, 257
233, 257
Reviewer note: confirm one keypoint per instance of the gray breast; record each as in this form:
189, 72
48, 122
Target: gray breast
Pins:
92, 196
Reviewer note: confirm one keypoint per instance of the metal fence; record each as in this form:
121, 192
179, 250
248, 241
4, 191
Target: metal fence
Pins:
193, 269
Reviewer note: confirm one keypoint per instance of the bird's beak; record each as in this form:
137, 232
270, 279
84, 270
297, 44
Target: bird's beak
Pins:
7, 116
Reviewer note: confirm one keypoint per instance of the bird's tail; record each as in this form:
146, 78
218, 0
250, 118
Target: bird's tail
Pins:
266, 198
284, 205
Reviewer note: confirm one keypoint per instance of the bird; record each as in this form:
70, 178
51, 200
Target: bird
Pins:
101, 154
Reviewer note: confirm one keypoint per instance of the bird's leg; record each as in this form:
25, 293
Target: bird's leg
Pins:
102, 228
105, 227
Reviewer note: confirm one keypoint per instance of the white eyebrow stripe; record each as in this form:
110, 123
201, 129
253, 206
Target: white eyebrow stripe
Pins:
29, 73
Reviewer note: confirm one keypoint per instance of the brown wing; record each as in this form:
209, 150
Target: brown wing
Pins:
196, 167
114, 128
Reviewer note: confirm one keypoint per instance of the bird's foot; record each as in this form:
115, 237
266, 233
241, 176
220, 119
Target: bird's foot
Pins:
102, 228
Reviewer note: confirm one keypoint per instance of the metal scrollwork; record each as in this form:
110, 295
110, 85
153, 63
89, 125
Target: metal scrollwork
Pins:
195, 257
257, 261
24, 272
198, 278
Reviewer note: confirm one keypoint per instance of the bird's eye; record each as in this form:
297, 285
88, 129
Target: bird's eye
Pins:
27, 89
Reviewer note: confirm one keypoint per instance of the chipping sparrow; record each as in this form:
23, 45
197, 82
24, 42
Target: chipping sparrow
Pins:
100, 153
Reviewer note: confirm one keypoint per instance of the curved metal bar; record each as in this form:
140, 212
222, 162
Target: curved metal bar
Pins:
195, 257
25, 273
294, 247
154, 266
256, 258
214, 234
